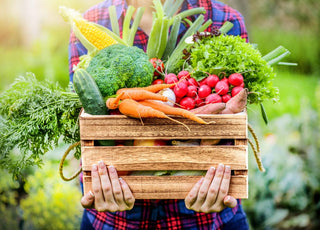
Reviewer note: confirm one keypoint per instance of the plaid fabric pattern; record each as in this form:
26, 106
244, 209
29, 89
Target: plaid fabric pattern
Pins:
216, 11
158, 214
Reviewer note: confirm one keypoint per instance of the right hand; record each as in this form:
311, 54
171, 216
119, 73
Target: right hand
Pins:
109, 192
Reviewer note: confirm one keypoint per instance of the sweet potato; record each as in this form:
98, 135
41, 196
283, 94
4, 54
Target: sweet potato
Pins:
210, 108
237, 103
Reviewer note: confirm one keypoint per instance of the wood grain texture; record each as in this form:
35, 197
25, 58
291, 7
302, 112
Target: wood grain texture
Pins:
172, 187
120, 127
137, 158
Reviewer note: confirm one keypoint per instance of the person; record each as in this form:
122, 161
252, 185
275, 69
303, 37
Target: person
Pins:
111, 204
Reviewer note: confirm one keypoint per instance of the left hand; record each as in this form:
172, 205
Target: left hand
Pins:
209, 194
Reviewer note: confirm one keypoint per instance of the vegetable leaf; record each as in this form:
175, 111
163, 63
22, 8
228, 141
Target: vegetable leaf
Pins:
35, 117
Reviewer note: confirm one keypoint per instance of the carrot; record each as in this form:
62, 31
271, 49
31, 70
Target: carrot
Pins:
132, 108
214, 108
141, 94
237, 103
169, 110
152, 88
113, 103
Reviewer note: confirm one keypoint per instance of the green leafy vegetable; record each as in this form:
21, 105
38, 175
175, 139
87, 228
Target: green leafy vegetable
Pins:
35, 116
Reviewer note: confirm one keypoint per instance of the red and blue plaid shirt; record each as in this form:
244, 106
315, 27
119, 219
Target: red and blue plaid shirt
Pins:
158, 214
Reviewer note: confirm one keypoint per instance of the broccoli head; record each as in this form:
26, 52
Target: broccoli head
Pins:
119, 66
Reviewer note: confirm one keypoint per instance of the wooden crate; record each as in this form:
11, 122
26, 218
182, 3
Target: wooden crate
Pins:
141, 158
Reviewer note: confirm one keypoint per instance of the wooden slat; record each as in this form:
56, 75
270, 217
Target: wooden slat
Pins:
119, 127
140, 158
172, 187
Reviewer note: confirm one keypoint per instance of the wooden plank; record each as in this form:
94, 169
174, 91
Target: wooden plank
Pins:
172, 187
140, 158
120, 127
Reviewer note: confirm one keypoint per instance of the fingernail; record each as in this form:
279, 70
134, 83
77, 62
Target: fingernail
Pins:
227, 168
101, 164
111, 168
91, 195
227, 199
94, 168
121, 180
200, 181
220, 167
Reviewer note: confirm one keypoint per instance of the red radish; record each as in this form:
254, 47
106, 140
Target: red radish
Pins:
213, 98
212, 80
199, 102
235, 79
222, 88
184, 74
184, 81
181, 89
225, 80
242, 85
236, 90
192, 81
226, 98
204, 91
157, 81
170, 79
203, 82
178, 99
192, 91
187, 103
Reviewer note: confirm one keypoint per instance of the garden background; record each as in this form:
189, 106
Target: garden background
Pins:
34, 38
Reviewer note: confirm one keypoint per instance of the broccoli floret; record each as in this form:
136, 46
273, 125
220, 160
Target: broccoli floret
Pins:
120, 66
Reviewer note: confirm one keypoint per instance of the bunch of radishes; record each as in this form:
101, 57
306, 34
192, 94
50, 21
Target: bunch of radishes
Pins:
191, 94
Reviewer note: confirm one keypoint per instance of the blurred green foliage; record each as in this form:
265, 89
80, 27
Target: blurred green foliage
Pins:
51, 203
287, 195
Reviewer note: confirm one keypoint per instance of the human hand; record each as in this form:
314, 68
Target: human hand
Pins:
110, 193
209, 194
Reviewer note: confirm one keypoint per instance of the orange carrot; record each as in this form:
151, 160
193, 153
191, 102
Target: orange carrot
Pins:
113, 103
152, 88
132, 108
141, 94
169, 110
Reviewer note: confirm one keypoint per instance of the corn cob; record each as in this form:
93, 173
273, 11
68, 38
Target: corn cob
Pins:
93, 34
90, 35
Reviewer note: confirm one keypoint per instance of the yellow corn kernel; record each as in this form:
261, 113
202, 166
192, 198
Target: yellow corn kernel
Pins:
94, 35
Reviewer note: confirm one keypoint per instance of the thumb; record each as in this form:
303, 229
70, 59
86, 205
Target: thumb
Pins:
230, 201
87, 200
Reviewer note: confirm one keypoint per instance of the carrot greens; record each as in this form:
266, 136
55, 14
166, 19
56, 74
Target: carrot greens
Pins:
35, 117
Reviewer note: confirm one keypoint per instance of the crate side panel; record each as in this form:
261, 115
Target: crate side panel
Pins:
137, 158
172, 187
119, 127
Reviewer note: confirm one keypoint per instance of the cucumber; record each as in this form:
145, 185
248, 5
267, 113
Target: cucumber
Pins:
90, 97
89, 93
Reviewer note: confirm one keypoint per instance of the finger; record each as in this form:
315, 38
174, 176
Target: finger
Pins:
105, 182
96, 185
87, 200
127, 194
224, 187
116, 187
214, 187
203, 191
230, 201
192, 195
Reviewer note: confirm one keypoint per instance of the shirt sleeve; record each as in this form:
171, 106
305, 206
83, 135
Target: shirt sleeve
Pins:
222, 13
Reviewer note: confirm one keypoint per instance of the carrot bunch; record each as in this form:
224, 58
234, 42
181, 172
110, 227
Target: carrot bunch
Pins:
145, 102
